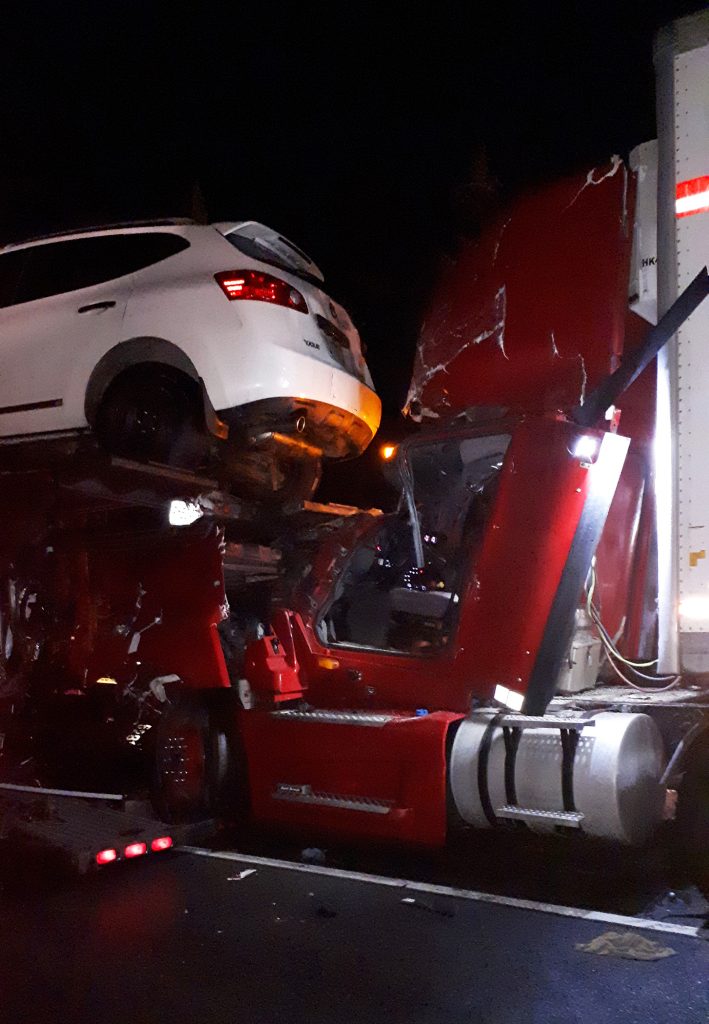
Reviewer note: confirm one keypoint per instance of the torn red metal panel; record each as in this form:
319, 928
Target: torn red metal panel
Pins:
530, 315
115, 607
166, 596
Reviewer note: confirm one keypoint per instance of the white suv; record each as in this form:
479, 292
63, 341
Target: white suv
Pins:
153, 334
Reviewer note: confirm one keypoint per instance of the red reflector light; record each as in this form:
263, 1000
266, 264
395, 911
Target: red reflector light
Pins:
250, 284
135, 850
163, 843
692, 196
106, 856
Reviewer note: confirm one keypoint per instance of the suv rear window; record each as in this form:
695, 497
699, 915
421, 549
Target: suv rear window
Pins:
254, 251
66, 266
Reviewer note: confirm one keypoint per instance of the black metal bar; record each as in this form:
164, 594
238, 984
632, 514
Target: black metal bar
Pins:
569, 742
612, 387
560, 622
483, 758
512, 737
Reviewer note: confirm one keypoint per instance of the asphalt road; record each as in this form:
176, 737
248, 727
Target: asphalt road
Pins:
652, 881
181, 938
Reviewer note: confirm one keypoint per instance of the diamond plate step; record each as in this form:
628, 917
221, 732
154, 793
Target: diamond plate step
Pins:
364, 718
303, 794
572, 819
545, 722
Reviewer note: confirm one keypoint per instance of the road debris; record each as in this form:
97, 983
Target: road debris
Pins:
442, 909
242, 875
326, 912
313, 855
628, 945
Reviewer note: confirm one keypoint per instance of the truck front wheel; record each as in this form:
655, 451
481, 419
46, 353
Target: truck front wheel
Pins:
195, 767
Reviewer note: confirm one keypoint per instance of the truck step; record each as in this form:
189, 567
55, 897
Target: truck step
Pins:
303, 794
545, 722
364, 718
572, 819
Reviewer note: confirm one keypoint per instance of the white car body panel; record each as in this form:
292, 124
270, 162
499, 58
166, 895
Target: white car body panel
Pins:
49, 356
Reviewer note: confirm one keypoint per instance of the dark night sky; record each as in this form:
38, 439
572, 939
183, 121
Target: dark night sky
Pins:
352, 129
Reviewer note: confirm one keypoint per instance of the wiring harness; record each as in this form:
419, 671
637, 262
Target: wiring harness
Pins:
616, 659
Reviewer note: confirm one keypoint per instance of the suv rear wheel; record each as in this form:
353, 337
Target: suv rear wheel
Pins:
151, 413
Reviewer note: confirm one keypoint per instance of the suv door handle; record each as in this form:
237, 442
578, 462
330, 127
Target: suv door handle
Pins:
95, 307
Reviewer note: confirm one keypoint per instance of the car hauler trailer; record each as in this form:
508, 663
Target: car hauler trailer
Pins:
68, 508
102, 587
86, 830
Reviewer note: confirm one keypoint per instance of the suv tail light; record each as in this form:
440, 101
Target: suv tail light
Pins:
251, 284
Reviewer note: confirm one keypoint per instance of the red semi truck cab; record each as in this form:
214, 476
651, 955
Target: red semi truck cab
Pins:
488, 653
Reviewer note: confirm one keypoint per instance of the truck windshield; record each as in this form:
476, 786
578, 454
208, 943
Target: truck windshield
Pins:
383, 599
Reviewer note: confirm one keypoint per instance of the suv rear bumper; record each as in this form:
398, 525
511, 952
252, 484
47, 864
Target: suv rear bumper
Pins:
334, 432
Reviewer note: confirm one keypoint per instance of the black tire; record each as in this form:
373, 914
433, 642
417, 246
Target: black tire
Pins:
693, 815
300, 478
196, 766
153, 414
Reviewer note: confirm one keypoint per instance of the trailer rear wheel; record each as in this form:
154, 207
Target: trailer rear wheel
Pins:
195, 771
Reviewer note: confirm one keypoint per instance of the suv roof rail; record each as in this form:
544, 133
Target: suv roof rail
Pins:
152, 223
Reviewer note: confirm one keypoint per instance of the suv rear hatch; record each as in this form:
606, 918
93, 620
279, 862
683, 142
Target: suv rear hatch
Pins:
336, 332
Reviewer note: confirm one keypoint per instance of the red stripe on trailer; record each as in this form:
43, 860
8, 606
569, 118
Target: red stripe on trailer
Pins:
692, 196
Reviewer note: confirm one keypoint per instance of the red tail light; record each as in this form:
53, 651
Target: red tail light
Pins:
163, 843
135, 850
106, 856
250, 284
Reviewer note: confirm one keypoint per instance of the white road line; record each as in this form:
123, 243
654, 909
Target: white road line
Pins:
646, 924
